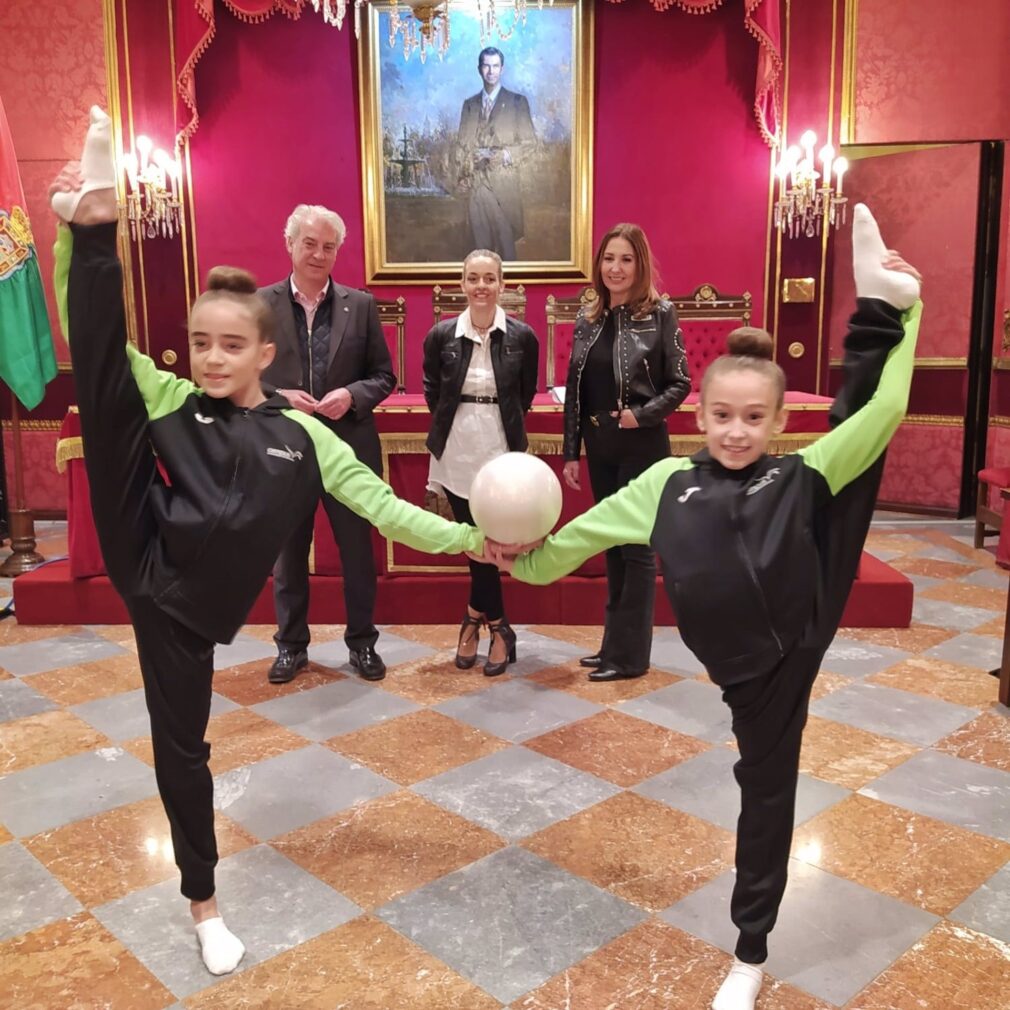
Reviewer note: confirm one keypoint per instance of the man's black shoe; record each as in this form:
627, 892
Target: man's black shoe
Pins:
608, 672
286, 665
368, 663
593, 662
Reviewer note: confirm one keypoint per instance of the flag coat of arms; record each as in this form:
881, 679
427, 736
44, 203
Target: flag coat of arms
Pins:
27, 360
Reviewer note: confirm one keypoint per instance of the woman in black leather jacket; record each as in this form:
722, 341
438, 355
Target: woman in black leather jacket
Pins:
627, 374
480, 376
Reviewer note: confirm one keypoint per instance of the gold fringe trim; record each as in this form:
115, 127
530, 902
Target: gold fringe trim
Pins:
34, 425
68, 449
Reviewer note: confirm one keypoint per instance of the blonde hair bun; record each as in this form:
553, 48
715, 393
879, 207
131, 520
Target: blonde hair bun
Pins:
749, 342
233, 279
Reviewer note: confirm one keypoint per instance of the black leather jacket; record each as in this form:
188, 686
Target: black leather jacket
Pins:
650, 367
514, 358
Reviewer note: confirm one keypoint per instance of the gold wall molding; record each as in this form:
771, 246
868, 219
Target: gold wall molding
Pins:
34, 425
926, 363
999, 422
935, 420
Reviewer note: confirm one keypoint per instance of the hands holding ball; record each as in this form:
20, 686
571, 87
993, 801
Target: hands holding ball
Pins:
515, 500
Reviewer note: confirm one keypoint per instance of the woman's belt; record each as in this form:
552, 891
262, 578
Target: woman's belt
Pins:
478, 399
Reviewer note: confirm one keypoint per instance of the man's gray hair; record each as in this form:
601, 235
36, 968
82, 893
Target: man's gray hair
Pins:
304, 211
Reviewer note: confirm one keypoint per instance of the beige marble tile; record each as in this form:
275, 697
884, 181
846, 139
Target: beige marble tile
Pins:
574, 679
950, 968
985, 740
417, 746
241, 737
247, 683
637, 848
653, 967
617, 747
965, 594
432, 679
827, 682
916, 638
12, 633
932, 569
120, 851
376, 851
586, 635
362, 965
75, 964
73, 685
847, 756
443, 637
961, 685
916, 859
47, 736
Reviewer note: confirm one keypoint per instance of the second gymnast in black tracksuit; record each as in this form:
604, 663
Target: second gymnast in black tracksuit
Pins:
758, 561
190, 555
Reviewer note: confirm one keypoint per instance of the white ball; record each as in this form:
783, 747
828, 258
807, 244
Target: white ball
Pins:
515, 498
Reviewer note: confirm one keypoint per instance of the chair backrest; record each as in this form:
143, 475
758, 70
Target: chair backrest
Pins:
706, 317
563, 311
452, 302
393, 315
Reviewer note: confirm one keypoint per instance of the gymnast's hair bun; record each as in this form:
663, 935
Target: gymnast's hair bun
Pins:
238, 282
751, 342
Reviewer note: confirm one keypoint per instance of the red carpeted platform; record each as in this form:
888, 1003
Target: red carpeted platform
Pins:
880, 598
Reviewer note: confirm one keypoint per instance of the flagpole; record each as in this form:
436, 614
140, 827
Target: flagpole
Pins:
20, 521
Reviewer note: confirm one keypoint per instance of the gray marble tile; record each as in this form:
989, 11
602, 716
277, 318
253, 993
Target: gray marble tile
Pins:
515, 792
52, 653
853, 658
704, 786
988, 909
392, 648
268, 902
18, 700
954, 616
689, 706
291, 790
670, 653
832, 938
535, 652
124, 716
243, 649
74, 788
510, 921
989, 578
921, 582
518, 710
902, 715
949, 789
937, 553
983, 651
334, 709
885, 553
33, 897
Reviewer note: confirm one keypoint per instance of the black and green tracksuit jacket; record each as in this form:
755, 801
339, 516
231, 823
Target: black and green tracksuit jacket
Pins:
739, 549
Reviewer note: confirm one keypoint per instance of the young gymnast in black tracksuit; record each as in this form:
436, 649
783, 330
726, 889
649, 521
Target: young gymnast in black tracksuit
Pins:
758, 556
189, 556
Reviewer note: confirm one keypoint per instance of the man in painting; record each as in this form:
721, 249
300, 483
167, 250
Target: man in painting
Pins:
495, 135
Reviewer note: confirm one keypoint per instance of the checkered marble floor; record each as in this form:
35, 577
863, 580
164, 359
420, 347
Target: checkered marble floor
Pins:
442, 840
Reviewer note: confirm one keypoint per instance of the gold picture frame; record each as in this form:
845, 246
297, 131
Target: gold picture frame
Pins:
440, 172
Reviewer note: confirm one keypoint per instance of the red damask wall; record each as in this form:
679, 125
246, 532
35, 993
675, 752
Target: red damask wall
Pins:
52, 69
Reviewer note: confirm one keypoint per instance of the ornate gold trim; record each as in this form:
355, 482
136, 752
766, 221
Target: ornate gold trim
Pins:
925, 363
378, 270
772, 293
64, 368
68, 449
1001, 364
938, 420
999, 422
847, 123
33, 425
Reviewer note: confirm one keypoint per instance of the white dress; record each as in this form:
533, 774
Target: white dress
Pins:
477, 434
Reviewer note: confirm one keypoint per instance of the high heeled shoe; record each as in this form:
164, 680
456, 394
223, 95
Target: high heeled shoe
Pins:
504, 631
466, 662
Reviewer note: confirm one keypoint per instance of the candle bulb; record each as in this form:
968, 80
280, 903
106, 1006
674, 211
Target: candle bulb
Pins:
130, 164
144, 146
840, 167
827, 156
807, 142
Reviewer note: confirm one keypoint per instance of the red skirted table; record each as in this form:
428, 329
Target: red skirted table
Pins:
421, 588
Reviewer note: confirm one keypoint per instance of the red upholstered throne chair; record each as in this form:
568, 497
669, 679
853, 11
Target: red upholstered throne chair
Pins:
452, 302
989, 519
393, 317
706, 317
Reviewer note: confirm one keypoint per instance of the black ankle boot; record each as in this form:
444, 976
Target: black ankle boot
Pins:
504, 631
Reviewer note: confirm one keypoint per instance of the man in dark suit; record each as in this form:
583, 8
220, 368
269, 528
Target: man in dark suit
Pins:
495, 135
332, 361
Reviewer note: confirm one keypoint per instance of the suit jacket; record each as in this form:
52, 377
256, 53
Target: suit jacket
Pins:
359, 360
509, 127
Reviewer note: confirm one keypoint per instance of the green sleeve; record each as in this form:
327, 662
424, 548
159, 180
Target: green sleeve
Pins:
354, 485
843, 454
163, 392
626, 517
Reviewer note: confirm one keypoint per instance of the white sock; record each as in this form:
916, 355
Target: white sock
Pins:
872, 281
740, 988
221, 948
98, 166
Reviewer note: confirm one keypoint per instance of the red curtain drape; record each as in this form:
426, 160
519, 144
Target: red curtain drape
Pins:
194, 32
